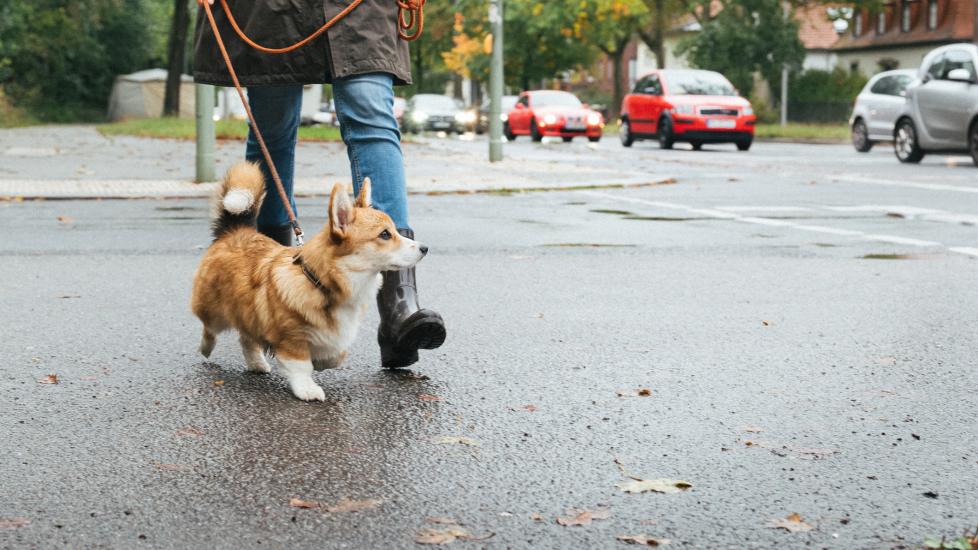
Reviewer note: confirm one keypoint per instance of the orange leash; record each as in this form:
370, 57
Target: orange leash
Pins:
410, 15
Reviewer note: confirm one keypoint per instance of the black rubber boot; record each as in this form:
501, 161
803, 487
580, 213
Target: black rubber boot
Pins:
282, 234
404, 326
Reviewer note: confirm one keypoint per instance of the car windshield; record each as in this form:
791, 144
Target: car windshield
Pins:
555, 99
698, 83
439, 102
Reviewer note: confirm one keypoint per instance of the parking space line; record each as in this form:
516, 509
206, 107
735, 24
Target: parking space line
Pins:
718, 214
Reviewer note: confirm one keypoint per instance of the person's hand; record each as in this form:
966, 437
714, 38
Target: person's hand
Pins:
201, 2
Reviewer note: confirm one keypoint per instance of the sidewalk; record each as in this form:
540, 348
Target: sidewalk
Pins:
78, 162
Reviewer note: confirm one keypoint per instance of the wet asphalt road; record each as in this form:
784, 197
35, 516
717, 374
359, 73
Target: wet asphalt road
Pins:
804, 317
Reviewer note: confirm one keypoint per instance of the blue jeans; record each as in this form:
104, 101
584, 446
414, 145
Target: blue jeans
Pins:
365, 108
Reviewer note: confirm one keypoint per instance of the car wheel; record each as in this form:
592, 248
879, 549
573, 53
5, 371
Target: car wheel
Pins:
744, 144
905, 143
535, 132
697, 145
860, 137
625, 133
568, 139
594, 139
508, 132
973, 142
666, 139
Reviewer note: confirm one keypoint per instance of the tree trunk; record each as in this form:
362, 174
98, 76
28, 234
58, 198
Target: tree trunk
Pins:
616, 57
176, 57
660, 33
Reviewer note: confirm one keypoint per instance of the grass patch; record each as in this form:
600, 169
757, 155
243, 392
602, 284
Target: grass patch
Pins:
11, 116
185, 128
837, 132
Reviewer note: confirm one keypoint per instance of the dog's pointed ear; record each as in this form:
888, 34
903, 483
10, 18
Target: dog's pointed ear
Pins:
363, 199
340, 211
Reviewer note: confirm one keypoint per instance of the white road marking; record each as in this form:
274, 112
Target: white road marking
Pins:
719, 214
911, 184
764, 208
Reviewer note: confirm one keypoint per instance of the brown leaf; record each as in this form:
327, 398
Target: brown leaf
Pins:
219, 382
641, 392
440, 536
49, 379
428, 397
642, 539
66, 219
190, 431
441, 520
305, 504
792, 524
530, 408
536, 517
345, 505
583, 517
644, 392
655, 485
765, 323
14, 523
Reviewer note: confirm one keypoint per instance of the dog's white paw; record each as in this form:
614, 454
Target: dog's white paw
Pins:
258, 364
307, 390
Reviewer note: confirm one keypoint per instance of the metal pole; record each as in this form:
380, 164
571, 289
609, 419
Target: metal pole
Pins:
496, 138
204, 101
784, 95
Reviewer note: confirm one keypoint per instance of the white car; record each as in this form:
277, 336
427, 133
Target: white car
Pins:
878, 106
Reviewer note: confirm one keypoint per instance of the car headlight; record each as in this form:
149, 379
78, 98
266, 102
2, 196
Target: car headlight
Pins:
747, 111
594, 119
550, 119
465, 117
683, 109
419, 116
504, 117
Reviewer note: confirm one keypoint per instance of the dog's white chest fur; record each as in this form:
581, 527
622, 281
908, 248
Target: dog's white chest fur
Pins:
330, 343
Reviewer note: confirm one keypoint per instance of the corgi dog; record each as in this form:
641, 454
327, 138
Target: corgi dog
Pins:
303, 305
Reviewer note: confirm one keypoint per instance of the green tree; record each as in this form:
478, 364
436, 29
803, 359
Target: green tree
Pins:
745, 37
609, 26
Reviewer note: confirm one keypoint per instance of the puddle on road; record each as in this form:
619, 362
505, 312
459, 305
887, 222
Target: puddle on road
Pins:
663, 218
826, 245
610, 211
897, 256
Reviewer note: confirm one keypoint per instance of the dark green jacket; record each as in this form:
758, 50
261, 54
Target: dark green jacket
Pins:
365, 41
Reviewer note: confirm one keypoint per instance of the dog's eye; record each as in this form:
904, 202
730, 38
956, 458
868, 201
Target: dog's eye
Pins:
386, 235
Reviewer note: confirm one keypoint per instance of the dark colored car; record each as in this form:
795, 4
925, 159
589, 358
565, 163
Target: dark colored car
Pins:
694, 106
508, 102
432, 112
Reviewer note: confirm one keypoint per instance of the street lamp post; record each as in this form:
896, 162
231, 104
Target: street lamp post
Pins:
496, 82
204, 101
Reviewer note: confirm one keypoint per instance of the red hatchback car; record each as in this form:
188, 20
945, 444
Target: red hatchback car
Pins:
686, 105
552, 113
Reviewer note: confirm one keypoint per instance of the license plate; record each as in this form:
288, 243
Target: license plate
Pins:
441, 125
721, 123
574, 127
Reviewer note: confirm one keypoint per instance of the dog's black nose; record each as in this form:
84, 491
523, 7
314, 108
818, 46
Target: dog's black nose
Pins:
424, 249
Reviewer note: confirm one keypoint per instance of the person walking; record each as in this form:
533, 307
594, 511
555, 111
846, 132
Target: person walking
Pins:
363, 57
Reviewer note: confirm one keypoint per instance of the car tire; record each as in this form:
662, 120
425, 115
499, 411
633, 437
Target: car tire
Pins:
568, 139
594, 139
535, 132
625, 133
697, 145
666, 139
508, 132
744, 144
860, 137
973, 142
905, 144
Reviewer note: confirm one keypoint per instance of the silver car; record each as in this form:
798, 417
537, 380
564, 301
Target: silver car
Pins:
878, 106
941, 114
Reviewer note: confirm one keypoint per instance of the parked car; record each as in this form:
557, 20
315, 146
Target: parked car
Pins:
543, 113
506, 105
878, 106
432, 112
941, 112
693, 106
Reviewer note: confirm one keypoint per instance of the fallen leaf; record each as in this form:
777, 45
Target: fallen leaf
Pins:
656, 485
644, 392
440, 536
14, 523
641, 392
305, 504
642, 539
765, 323
915, 436
219, 382
792, 524
346, 506
441, 520
427, 397
931, 494
536, 517
66, 219
191, 431
583, 517
456, 440
752, 429
49, 379
530, 408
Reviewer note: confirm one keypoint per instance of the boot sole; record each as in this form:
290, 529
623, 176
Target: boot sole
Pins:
426, 333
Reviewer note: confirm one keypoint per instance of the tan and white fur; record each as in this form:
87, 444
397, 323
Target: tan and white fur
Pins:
248, 282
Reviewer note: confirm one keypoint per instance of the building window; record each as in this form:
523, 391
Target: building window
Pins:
881, 22
905, 16
857, 24
931, 14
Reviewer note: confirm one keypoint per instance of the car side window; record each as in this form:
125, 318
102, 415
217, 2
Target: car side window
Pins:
957, 59
900, 84
641, 85
525, 101
652, 86
884, 86
934, 71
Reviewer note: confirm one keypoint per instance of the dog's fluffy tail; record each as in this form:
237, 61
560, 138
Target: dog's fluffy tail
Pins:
239, 199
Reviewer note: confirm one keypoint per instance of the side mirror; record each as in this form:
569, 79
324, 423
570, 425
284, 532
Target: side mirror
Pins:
926, 78
960, 75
